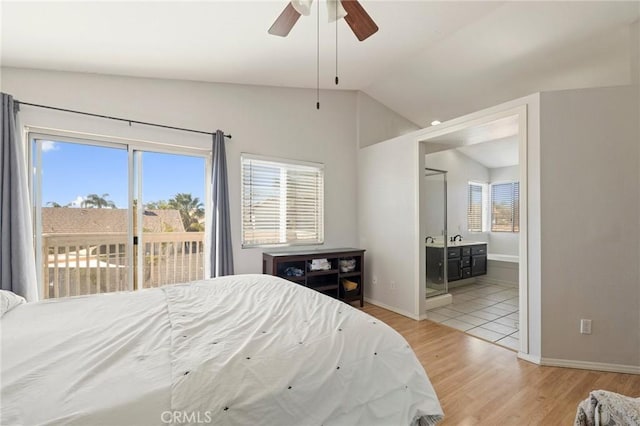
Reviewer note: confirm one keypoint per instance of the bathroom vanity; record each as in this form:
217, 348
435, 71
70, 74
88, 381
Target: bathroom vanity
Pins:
464, 260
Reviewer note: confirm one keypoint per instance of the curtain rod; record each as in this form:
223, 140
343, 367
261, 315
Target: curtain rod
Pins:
118, 119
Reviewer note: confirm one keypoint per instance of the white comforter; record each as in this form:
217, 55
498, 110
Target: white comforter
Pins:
239, 350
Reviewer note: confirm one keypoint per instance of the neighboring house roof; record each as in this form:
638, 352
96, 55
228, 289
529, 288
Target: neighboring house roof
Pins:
67, 220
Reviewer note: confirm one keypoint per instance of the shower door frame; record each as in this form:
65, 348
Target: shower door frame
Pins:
444, 232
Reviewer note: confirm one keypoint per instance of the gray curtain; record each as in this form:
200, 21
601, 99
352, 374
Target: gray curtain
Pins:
221, 250
17, 257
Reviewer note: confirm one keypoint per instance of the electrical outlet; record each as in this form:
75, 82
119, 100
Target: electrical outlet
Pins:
393, 285
374, 280
585, 326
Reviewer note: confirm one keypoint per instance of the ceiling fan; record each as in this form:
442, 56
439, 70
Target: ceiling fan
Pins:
358, 19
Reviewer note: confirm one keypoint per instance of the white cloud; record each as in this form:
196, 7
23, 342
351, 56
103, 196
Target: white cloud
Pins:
78, 201
49, 146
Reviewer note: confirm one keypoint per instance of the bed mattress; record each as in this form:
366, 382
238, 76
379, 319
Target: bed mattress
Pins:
238, 350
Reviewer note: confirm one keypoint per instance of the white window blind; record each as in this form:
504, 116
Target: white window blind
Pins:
282, 202
505, 207
475, 207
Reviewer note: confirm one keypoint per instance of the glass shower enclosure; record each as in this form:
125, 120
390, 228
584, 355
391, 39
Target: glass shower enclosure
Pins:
435, 199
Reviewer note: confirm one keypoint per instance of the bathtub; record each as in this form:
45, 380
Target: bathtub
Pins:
502, 269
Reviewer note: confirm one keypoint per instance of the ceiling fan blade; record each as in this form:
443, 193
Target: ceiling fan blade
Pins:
359, 20
283, 24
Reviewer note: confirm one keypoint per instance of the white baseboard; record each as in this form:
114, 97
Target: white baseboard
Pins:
587, 365
582, 365
394, 309
529, 358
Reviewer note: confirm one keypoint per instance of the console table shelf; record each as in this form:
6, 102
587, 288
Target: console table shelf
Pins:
330, 281
318, 273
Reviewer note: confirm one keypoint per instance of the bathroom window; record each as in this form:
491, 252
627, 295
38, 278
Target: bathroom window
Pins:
505, 207
477, 207
282, 202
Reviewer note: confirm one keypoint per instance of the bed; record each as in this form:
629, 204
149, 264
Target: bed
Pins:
238, 350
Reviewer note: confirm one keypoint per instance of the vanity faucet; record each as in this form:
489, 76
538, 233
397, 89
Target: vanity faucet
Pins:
455, 238
426, 240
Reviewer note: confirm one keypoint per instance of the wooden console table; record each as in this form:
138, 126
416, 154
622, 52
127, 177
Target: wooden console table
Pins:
296, 266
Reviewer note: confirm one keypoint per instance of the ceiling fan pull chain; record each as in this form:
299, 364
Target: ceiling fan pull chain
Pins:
318, 57
337, 46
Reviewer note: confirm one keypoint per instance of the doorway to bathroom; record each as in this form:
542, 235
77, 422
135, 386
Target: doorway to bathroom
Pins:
484, 164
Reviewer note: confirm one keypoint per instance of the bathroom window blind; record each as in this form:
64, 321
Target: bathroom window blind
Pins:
505, 207
475, 207
282, 202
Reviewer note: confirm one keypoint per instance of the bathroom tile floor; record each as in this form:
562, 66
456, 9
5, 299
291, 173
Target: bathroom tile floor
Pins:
487, 311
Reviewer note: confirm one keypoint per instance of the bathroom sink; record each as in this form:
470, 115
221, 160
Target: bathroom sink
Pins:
465, 243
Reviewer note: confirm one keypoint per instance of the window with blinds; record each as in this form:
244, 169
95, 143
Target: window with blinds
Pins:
475, 207
282, 202
505, 207
478, 207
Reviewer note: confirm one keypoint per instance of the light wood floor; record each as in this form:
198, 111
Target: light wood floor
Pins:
479, 383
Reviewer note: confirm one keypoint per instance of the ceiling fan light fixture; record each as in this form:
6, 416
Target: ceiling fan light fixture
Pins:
303, 7
335, 10
351, 11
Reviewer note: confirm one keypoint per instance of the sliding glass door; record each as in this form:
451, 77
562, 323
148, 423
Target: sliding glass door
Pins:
170, 226
81, 213
109, 217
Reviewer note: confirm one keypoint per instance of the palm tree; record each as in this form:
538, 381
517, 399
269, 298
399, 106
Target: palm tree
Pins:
157, 205
191, 211
195, 227
94, 200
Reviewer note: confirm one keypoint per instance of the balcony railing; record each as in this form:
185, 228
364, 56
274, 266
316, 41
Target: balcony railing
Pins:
79, 264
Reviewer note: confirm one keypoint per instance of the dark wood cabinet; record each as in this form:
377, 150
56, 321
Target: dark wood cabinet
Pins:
478, 264
462, 262
479, 250
453, 269
342, 264
466, 273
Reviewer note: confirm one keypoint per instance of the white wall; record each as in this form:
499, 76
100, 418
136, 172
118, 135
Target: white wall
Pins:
590, 230
634, 35
377, 123
504, 242
278, 122
387, 204
433, 197
461, 169
504, 174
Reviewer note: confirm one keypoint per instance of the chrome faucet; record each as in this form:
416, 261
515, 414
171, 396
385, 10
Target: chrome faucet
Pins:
426, 240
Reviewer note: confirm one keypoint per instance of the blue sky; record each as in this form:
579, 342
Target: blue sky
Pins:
71, 171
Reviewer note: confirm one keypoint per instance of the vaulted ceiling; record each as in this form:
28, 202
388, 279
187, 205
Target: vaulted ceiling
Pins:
430, 60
